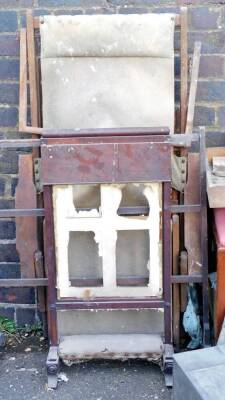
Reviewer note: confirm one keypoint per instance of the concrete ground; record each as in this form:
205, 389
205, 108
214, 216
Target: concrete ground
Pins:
23, 377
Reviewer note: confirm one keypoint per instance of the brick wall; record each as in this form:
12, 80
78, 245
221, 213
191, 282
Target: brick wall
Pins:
206, 23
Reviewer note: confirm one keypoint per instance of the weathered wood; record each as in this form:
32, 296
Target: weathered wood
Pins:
192, 220
32, 76
193, 87
32, 69
23, 81
22, 212
39, 272
105, 163
176, 289
204, 239
26, 227
185, 208
215, 152
184, 68
186, 279
27, 282
19, 143
183, 271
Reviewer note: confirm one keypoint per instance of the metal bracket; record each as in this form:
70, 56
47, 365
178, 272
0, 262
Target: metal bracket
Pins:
52, 365
168, 364
179, 172
37, 175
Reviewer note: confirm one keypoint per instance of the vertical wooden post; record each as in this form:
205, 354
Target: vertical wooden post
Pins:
26, 227
50, 262
23, 81
167, 260
32, 69
184, 68
176, 288
204, 240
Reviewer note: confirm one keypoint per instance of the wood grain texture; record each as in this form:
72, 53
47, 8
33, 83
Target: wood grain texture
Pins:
193, 87
176, 287
184, 68
183, 271
192, 220
23, 81
26, 227
32, 69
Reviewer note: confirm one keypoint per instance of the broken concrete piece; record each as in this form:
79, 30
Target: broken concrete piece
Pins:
218, 166
199, 374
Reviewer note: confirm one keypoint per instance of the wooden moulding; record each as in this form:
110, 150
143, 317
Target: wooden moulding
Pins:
26, 227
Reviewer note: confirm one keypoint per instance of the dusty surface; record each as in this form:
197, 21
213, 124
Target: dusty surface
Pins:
23, 376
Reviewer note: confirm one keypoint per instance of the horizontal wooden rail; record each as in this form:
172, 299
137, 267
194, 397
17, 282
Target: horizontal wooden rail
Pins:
26, 212
23, 282
186, 279
185, 208
109, 303
20, 143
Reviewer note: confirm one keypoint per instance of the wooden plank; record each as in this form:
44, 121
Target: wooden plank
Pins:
32, 68
215, 152
193, 87
176, 289
184, 68
185, 208
186, 279
22, 212
183, 271
19, 143
26, 227
23, 81
137, 131
204, 240
105, 163
192, 220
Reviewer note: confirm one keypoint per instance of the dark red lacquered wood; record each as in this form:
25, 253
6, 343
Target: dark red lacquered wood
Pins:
167, 261
50, 262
